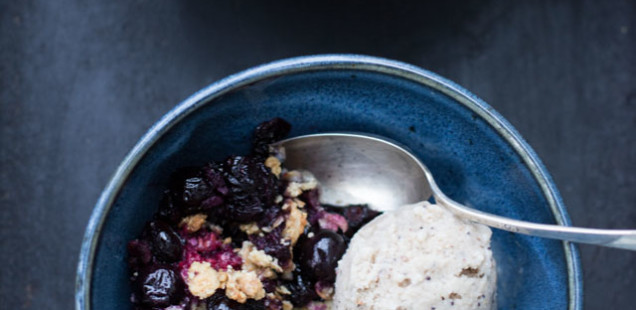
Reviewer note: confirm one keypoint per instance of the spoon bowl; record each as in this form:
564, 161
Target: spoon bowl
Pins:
356, 168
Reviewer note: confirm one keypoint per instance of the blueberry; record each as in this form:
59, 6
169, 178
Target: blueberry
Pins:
272, 304
213, 173
302, 291
252, 188
356, 216
312, 204
168, 210
219, 301
244, 208
233, 230
269, 216
165, 242
271, 244
159, 286
319, 255
267, 133
196, 190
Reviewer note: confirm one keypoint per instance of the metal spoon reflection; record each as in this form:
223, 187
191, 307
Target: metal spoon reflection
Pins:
359, 168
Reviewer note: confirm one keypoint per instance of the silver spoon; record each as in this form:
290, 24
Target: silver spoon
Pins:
359, 168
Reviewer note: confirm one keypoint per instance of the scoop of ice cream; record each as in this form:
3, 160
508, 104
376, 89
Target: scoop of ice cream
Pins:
417, 257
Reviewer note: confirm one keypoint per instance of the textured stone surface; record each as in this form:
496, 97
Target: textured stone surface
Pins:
80, 83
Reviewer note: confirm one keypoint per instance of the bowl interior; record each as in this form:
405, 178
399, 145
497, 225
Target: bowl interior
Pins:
473, 163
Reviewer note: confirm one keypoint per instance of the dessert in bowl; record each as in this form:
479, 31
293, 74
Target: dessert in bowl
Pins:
475, 154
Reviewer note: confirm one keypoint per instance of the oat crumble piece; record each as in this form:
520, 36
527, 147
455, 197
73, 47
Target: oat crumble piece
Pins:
279, 220
203, 280
299, 181
250, 228
242, 285
299, 203
287, 305
295, 224
292, 176
293, 190
278, 199
216, 229
273, 164
193, 223
258, 261
283, 290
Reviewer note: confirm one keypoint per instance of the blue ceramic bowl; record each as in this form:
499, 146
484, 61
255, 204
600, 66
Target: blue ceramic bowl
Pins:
476, 156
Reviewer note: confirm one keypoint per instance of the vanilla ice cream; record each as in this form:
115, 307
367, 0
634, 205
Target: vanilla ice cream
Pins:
417, 257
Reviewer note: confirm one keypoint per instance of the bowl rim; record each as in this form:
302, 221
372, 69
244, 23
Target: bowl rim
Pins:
320, 63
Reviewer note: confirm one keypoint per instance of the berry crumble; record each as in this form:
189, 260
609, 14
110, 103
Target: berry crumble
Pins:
243, 233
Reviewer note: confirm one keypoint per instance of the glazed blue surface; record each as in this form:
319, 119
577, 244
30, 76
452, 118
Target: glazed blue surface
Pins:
473, 163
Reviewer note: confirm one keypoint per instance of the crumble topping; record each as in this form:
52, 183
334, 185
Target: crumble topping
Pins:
287, 305
242, 285
239, 285
282, 290
258, 261
293, 202
274, 165
250, 228
293, 190
279, 220
193, 223
299, 181
278, 199
296, 222
203, 280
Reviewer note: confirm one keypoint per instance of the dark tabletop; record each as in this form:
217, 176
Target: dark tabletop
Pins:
80, 83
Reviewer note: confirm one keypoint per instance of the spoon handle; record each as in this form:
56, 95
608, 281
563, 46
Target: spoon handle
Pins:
615, 238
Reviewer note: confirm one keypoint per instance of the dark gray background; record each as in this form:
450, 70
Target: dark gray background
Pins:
80, 83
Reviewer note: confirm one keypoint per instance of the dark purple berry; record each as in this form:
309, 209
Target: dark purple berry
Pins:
195, 191
252, 188
271, 244
319, 255
191, 191
272, 303
165, 242
270, 216
168, 210
219, 301
314, 210
356, 216
244, 209
269, 285
267, 133
232, 230
159, 286
302, 290
213, 173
